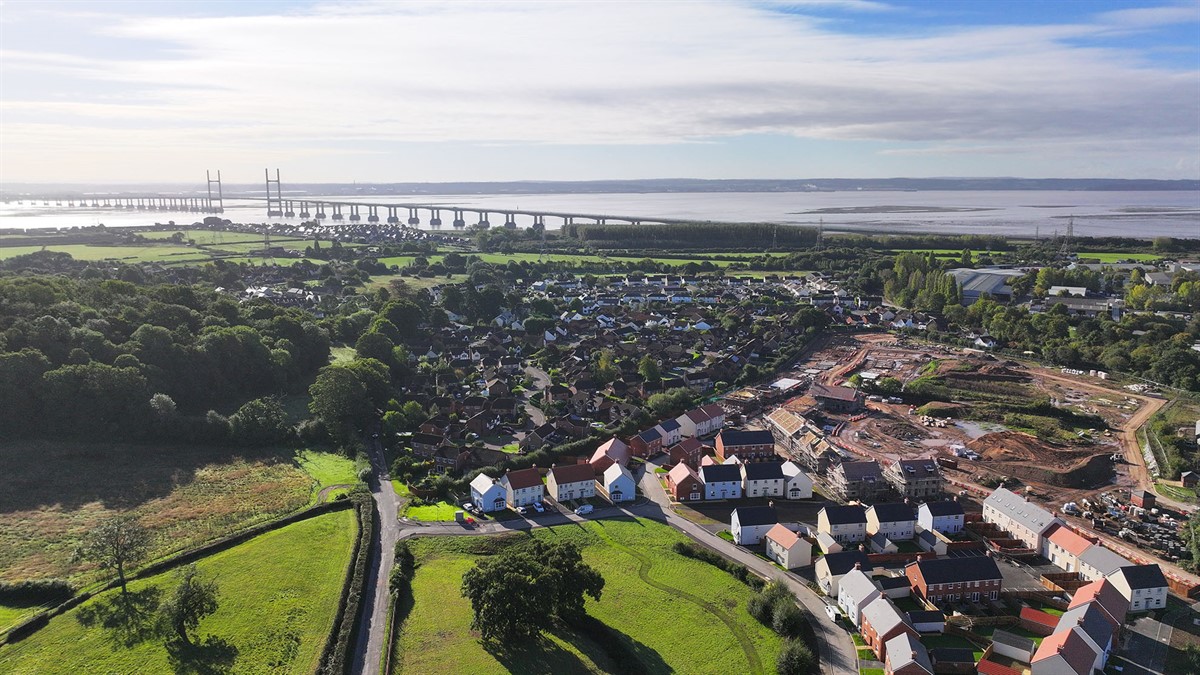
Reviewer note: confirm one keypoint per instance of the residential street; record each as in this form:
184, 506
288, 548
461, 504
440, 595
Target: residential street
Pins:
373, 616
541, 382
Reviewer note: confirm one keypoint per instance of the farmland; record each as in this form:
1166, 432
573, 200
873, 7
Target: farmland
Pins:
277, 604
55, 492
671, 625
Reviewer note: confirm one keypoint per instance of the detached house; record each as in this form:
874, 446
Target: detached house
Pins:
945, 517
855, 592
845, 524
906, 656
749, 524
488, 494
797, 483
1144, 586
612, 451
722, 481
788, 548
762, 479
916, 479
574, 481
616, 484
1018, 517
523, 487
831, 567
685, 485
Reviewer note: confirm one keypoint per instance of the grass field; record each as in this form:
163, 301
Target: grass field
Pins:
327, 468
55, 492
1114, 257
205, 237
677, 614
440, 512
151, 253
277, 604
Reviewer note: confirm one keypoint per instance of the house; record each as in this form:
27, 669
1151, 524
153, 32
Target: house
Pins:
831, 567
1098, 562
1024, 521
1064, 653
788, 548
670, 430
974, 284
895, 521
882, 621
945, 517
828, 544
855, 592
612, 451
1062, 547
1144, 586
689, 451
796, 483
488, 494
1095, 627
425, 445
748, 445
539, 437
722, 481
703, 421
572, 481
749, 524
915, 479
762, 479
1104, 595
684, 484
861, 481
906, 656
523, 486
616, 484
647, 443
947, 580
846, 524
836, 399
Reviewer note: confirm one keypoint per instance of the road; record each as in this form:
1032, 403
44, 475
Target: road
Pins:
373, 617
541, 382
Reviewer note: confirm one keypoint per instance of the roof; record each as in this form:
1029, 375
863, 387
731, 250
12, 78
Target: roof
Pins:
1144, 576
615, 471
857, 471
926, 616
730, 437
883, 615
1067, 539
650, 435
781, 535
921, 468
573, 473
858, 585
721, 473
957, 570
786, 420
892, 513
762, 471
1103, 593
755, 515
523, 478
953, 655
790, 469
844, 515
614, 448
482, 482
904, 650
1091, 620
843, 561
1072, 647
1102, 560
1013, 640
1039, 617
833, 391
669, 425
1028, 515
892, 583
942, 509
680, 472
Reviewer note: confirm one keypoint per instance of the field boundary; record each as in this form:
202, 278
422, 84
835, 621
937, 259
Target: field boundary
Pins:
38, 621
336, 657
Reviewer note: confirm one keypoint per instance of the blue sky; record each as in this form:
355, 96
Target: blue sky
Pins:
428, 91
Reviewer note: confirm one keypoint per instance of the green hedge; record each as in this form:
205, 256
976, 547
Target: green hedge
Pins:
35, 592
337, 657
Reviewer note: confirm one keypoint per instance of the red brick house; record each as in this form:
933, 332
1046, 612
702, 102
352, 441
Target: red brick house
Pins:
689, 451
882, 621
748, 445
647, 443
684, 484
952, 579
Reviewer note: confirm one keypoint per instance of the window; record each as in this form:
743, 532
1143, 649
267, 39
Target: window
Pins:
995, 594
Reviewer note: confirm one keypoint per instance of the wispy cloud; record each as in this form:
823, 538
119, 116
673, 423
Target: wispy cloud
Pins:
594, 73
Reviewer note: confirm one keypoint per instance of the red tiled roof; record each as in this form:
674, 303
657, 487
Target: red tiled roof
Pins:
782, 535
1039, 617
1070, 645
523, 478
680, 472
1067, 539
573, 473
993, 668
1102, 591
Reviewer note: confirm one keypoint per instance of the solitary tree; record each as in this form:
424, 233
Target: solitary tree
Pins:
192, 600
648, 369
115, 543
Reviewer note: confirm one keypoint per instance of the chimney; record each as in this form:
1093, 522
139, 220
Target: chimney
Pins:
771, 503
858, 566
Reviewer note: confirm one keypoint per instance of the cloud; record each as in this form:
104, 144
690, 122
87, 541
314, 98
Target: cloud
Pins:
586, 73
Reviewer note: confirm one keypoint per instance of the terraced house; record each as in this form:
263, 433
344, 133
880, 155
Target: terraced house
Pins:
1014, 514
948, 580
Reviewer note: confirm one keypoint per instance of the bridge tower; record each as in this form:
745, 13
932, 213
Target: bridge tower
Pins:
216, 205
274, 202
1065, 251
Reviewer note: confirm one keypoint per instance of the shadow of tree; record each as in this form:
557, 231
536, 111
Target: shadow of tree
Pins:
538, 655
211, 656
127, 619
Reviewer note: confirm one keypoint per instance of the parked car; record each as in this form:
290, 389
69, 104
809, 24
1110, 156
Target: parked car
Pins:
537, 506
521, 510
584, 510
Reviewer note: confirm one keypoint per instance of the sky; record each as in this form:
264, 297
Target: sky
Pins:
127, 92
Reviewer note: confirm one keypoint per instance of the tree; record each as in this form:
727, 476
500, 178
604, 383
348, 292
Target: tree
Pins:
605, 370
375, 346
648, 369
260, 422
521, 591
116, 543
670, 401
796, 659
163, 406
192, 600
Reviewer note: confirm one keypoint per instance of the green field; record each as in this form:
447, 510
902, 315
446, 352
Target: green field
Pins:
56, 491
327, 468
205, 237
439, 512
677, 614
278, 599
1114, 257
149, 253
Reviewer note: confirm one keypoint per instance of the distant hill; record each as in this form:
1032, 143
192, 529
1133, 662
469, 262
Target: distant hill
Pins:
648, 185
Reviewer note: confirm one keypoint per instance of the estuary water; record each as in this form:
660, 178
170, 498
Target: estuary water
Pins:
1003, 212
